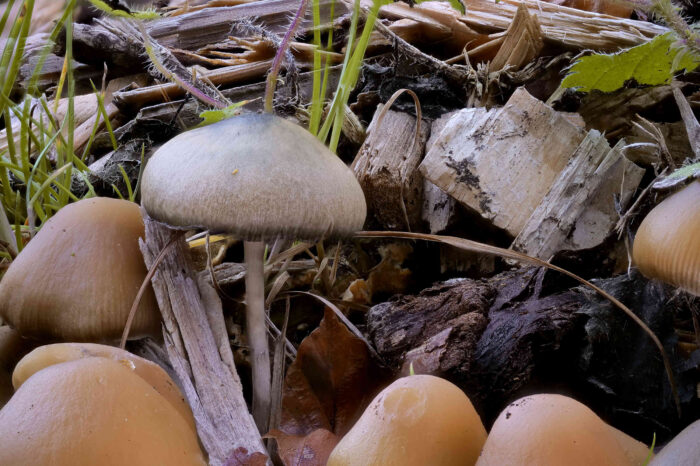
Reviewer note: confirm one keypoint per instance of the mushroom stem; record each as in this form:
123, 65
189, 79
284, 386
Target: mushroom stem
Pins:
257, 331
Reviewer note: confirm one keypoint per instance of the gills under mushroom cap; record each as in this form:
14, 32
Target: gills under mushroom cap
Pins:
257, 176
667, 245
77, 279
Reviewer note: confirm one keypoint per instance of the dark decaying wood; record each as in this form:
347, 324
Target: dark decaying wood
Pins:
195, 350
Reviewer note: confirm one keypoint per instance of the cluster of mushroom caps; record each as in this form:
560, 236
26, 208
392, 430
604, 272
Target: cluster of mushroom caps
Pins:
420, 420
78, 277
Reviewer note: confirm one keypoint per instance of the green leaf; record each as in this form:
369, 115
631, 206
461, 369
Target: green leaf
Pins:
456, 4
652, 63
213, 116
124, 13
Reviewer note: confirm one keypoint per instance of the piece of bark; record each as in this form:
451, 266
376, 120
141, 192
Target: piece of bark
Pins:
612, 113
523, 42
386, 166
691, 122
503, 162
213, 391
439, 208
590, 173
416, 323
567, 27
675, 137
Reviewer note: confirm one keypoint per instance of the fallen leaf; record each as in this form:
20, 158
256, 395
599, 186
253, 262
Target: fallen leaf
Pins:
330, 383
310, 450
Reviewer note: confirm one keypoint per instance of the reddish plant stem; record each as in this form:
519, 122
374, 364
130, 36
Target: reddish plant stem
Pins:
279, 56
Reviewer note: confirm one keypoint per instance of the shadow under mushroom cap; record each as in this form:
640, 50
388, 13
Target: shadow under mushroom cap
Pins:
256, 176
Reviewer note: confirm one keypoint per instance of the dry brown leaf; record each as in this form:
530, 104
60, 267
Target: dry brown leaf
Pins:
607, 7
241, 457
330, 383
310, 450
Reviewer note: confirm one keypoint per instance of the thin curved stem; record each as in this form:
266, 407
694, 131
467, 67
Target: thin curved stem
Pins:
279, 56
257, 331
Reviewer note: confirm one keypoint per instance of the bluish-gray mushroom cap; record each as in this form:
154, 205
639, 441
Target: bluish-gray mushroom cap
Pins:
255, 176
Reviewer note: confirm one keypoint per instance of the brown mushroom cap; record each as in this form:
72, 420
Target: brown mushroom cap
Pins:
77, 279
683, 450
667, 245
552, 429
12, 348
50, 355
417, 420
93, 411
257, 176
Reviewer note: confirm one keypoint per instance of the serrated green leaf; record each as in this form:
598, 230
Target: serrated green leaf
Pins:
456, 4
653, 63
213, 116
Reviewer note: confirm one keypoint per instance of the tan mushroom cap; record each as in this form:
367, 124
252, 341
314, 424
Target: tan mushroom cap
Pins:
77, 279
152, 373
12, 348
667, 245
683, 450
257, 176
93, 411
417, 420
557, 430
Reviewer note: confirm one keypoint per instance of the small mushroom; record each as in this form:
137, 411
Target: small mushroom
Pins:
683, 450
88, 409
78, 277
667, 244
552, 429
417, 420
258, 177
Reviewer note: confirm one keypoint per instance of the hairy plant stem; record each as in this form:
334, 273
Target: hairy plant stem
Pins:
279, 56
257, 331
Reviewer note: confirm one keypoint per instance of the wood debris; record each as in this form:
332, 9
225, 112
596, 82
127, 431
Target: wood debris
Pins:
522, 42
386, 167
502, 162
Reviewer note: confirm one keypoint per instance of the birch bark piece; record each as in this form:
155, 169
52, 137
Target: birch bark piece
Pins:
386, 167
211, 385
502, 162
581, 198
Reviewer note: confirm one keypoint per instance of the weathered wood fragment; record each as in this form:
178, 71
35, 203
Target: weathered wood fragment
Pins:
572, 28
503, 162
439, 208
522, 43
386, 167
196, 351
582, 196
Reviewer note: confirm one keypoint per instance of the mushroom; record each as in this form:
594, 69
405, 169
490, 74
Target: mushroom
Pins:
417, 420
95, 410
57, 353
554, 429
258, 177
12, 348
667, 244
77, 278
683, 450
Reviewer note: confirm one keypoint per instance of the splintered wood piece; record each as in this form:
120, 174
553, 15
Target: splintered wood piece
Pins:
439, 208
523, 41
220, 76
210, 25
197, 353
581, 197
386, 166
501, 163
567, 27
